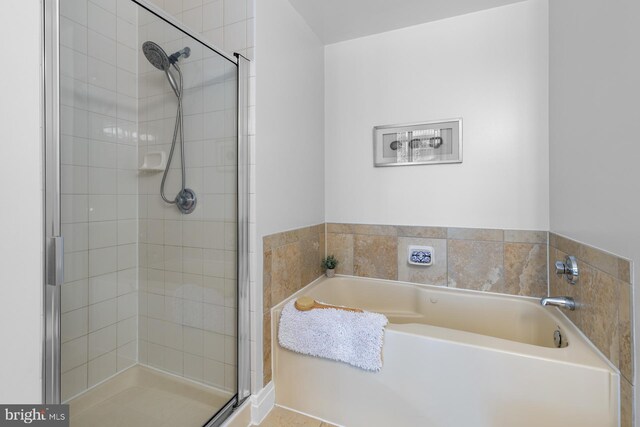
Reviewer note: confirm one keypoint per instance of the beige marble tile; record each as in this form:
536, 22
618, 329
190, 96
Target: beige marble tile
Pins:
323, 242
476, 265
603, 295
554, 283
311, 253
340, 228
374, 230
525, 269
280, 417
624, 330
266, 348
341, 246
567, 246
601, 260
598, 298
266, 280
306, 232
424, 232
624, 270
280, 239
286, 275
482, 234
626, 403
435, 274
375, 256
291, 259
525, 236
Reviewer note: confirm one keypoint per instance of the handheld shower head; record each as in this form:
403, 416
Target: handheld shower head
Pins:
156, 55
186, 199
159, 59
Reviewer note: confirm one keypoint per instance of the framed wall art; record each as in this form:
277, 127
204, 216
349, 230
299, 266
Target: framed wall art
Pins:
418, 143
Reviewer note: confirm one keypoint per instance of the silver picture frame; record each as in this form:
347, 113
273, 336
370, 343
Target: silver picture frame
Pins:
424, 143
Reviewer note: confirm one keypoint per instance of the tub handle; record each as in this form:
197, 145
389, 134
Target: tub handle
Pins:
569, 269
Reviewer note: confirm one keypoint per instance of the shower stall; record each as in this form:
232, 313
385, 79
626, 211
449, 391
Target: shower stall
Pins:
146, 232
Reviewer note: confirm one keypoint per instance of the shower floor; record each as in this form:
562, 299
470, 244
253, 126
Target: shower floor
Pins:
143, 397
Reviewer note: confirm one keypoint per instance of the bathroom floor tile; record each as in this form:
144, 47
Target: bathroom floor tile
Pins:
280, 417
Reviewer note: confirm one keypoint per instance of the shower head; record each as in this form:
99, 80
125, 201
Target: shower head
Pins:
159, 58
156, 55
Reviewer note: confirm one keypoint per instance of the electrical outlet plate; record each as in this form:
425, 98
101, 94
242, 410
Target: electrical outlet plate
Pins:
420, 255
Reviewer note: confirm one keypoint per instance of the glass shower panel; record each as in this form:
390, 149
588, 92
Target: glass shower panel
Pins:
98, 126
149, 302
188, 262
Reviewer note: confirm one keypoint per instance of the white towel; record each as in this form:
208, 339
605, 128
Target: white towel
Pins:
346, 336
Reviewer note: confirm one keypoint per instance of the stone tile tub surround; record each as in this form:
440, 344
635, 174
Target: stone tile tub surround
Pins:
291, 260
492, 260
604, 314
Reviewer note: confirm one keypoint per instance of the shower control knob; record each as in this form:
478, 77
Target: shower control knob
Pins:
568, 268
186, 201
560, 267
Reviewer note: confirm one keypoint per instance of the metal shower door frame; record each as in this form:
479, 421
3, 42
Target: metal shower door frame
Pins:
53, 241
243, 325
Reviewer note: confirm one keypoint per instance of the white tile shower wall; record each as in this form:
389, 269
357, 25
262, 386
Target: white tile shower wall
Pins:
188, 271
230, 25
99, 190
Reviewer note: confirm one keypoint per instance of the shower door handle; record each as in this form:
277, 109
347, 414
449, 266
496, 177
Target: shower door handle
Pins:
55, 261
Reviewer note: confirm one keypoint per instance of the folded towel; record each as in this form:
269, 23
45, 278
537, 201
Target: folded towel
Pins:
353, 338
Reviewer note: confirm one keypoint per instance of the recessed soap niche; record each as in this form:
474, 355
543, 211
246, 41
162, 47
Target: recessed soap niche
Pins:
418, 143
154, 161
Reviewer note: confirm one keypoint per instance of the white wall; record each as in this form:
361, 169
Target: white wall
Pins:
290, 97
290, 128
594, 127
490, 68
21, 216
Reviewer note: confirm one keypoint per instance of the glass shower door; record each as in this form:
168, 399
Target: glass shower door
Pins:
149, 216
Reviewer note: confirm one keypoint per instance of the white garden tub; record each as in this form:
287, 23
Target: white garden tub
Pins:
452, 358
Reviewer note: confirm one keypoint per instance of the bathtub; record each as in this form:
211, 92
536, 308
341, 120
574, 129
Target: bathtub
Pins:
452, 358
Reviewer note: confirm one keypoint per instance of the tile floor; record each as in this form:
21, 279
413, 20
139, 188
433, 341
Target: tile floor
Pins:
144, 397
280, 417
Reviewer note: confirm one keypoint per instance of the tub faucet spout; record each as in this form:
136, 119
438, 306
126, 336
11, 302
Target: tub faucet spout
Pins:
562, 302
